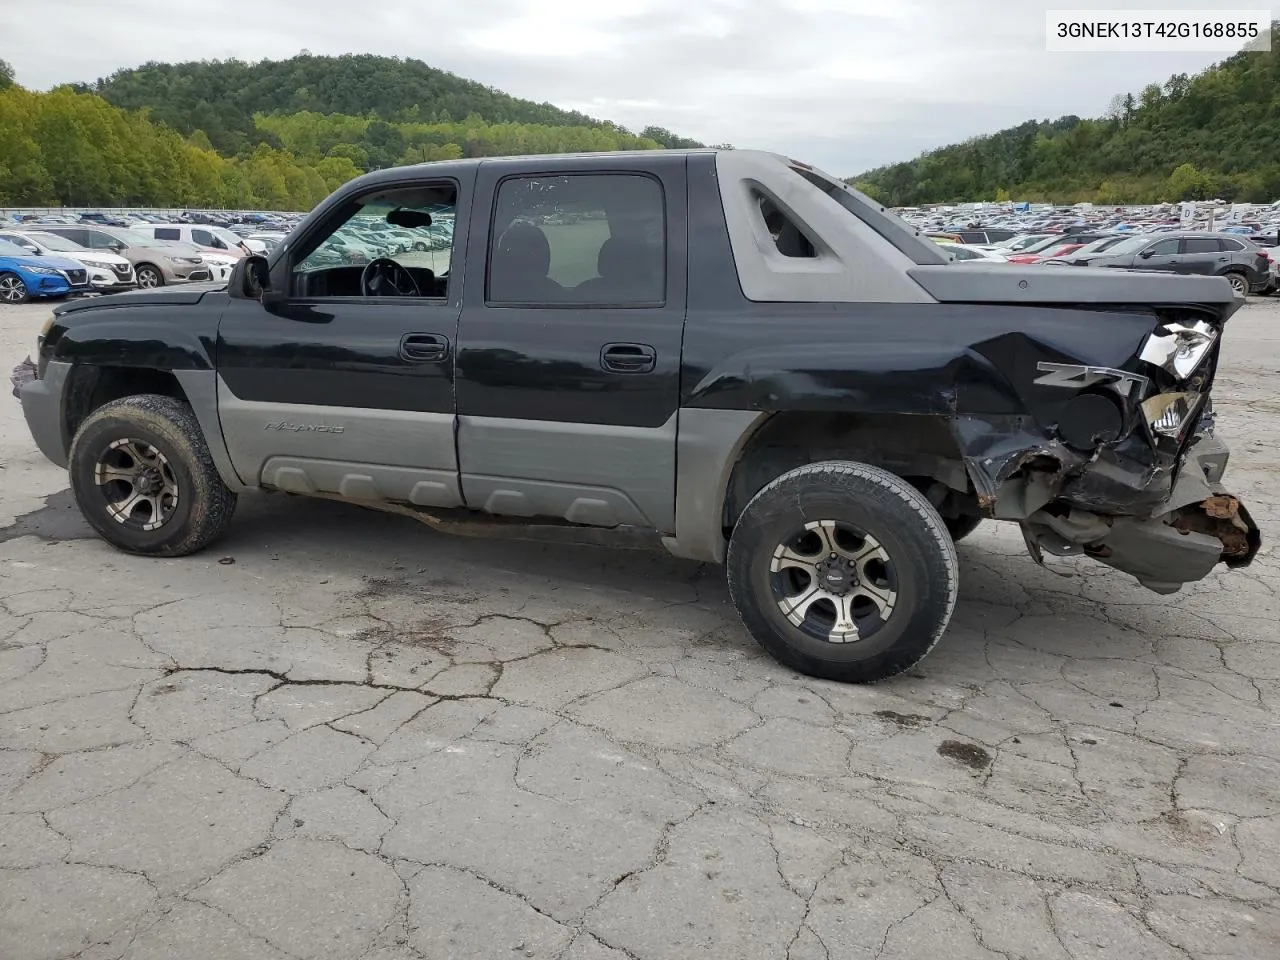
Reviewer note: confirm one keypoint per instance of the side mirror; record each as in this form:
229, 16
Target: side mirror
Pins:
1145, 254
250, 278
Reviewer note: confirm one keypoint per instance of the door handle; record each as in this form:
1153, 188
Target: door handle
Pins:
628, 357
423, 347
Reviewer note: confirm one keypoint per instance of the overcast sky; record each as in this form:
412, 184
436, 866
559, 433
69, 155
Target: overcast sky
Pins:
844, 84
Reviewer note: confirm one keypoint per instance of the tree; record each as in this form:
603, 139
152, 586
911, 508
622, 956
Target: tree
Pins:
6, 75
1188, 183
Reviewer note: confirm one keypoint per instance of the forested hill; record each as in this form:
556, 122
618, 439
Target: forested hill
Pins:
1212, 135
221, 97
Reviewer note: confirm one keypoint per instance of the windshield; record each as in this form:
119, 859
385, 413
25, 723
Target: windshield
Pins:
1129, 245
1106, 243
1021, 243
1048, 243
134, 239
54, 242
226, 236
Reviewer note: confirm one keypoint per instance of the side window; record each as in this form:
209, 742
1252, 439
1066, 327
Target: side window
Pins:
1233, 246
790, 240
1163, 248
168, 233
95, 240
205, 238
412, 227
590, 239
1200, 245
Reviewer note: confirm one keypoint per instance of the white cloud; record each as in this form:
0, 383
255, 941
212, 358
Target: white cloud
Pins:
846, 84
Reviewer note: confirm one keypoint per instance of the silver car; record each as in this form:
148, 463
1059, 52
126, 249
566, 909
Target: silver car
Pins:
154, 263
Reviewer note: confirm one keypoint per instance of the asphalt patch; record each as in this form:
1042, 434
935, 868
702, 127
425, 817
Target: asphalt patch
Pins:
59, 519
970, 754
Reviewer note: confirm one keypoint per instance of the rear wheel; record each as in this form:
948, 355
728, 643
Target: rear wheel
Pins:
143, 477
13, 289
1239, 283
149, 276
843, 571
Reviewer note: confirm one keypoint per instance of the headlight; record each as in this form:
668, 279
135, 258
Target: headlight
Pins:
96, 264
1179, 348
43, 271
1168, 413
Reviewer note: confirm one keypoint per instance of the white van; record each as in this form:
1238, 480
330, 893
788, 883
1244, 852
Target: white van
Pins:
208, 238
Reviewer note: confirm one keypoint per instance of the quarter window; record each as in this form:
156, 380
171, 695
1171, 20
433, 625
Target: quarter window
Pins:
1234, 246
585, 239
168, 233
789, 239
1200, 245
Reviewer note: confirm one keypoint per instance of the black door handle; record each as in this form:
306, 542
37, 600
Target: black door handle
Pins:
423, 347
628, 357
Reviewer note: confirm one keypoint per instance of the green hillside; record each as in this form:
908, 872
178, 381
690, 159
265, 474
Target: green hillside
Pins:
1212, 135
275, 135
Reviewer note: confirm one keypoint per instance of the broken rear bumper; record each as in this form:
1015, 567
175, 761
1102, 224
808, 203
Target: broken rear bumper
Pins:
1199, 526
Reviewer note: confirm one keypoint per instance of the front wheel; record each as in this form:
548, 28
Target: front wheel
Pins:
13, 289
843, 571
1239, 283
143, 477
149, 276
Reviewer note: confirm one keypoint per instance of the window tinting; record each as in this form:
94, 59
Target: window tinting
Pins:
1200, 245
1232, 245
1163, 248
204, 238
585, 239
168, 233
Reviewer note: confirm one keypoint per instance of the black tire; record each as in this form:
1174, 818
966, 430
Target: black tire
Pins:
13, 289
154, 276
919, 574
1239, 282
200, 507
961, 527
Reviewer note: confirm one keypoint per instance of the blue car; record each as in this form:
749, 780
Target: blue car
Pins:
23, 276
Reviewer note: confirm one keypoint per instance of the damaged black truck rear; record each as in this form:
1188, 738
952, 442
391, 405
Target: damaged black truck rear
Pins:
729, 354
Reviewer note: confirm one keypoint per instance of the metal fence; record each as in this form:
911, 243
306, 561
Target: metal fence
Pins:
8, 213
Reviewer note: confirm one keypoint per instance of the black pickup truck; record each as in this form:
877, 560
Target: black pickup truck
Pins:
728, 353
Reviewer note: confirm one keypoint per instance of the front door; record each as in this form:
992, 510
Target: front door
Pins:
1161, 255
343, 382
569, 343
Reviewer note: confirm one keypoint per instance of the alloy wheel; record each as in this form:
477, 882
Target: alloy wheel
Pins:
137, 484
833, 581
12, 289
1238, 283
148, 278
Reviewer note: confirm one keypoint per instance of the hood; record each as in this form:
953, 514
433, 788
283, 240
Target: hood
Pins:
55, 262
184, 295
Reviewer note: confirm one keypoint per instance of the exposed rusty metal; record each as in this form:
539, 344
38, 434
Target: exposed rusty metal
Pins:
1217, 517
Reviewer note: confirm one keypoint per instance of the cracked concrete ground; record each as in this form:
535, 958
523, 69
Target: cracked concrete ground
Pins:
362, 739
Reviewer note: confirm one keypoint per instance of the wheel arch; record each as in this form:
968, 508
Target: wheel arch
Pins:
726, 457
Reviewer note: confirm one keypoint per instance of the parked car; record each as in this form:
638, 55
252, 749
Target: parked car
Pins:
962, 253
154, 263
1046, 256
24, 276
107, 272
1246, 267
210, 239
816, 397
263, 242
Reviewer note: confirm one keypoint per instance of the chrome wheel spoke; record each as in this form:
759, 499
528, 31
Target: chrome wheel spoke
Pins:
796, 608
883, 599
784, 558
122, 510
102, 475
844, 630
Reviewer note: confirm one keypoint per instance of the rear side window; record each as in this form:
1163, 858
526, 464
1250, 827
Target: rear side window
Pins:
585, 239
1200, 245
1235, 246
789, 238
168, 233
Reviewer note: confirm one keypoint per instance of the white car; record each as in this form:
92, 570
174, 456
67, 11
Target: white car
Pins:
263, 243
210, 239
108, 272
964, 253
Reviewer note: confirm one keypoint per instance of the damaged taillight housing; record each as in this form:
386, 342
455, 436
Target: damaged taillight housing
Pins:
1179, 348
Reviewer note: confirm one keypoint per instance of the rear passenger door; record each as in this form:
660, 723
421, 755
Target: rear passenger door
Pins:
567, 378
1201, 255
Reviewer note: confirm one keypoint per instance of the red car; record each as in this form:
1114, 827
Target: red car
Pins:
1045, 254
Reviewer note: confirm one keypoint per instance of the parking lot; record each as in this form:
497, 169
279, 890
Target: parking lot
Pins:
340, 734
